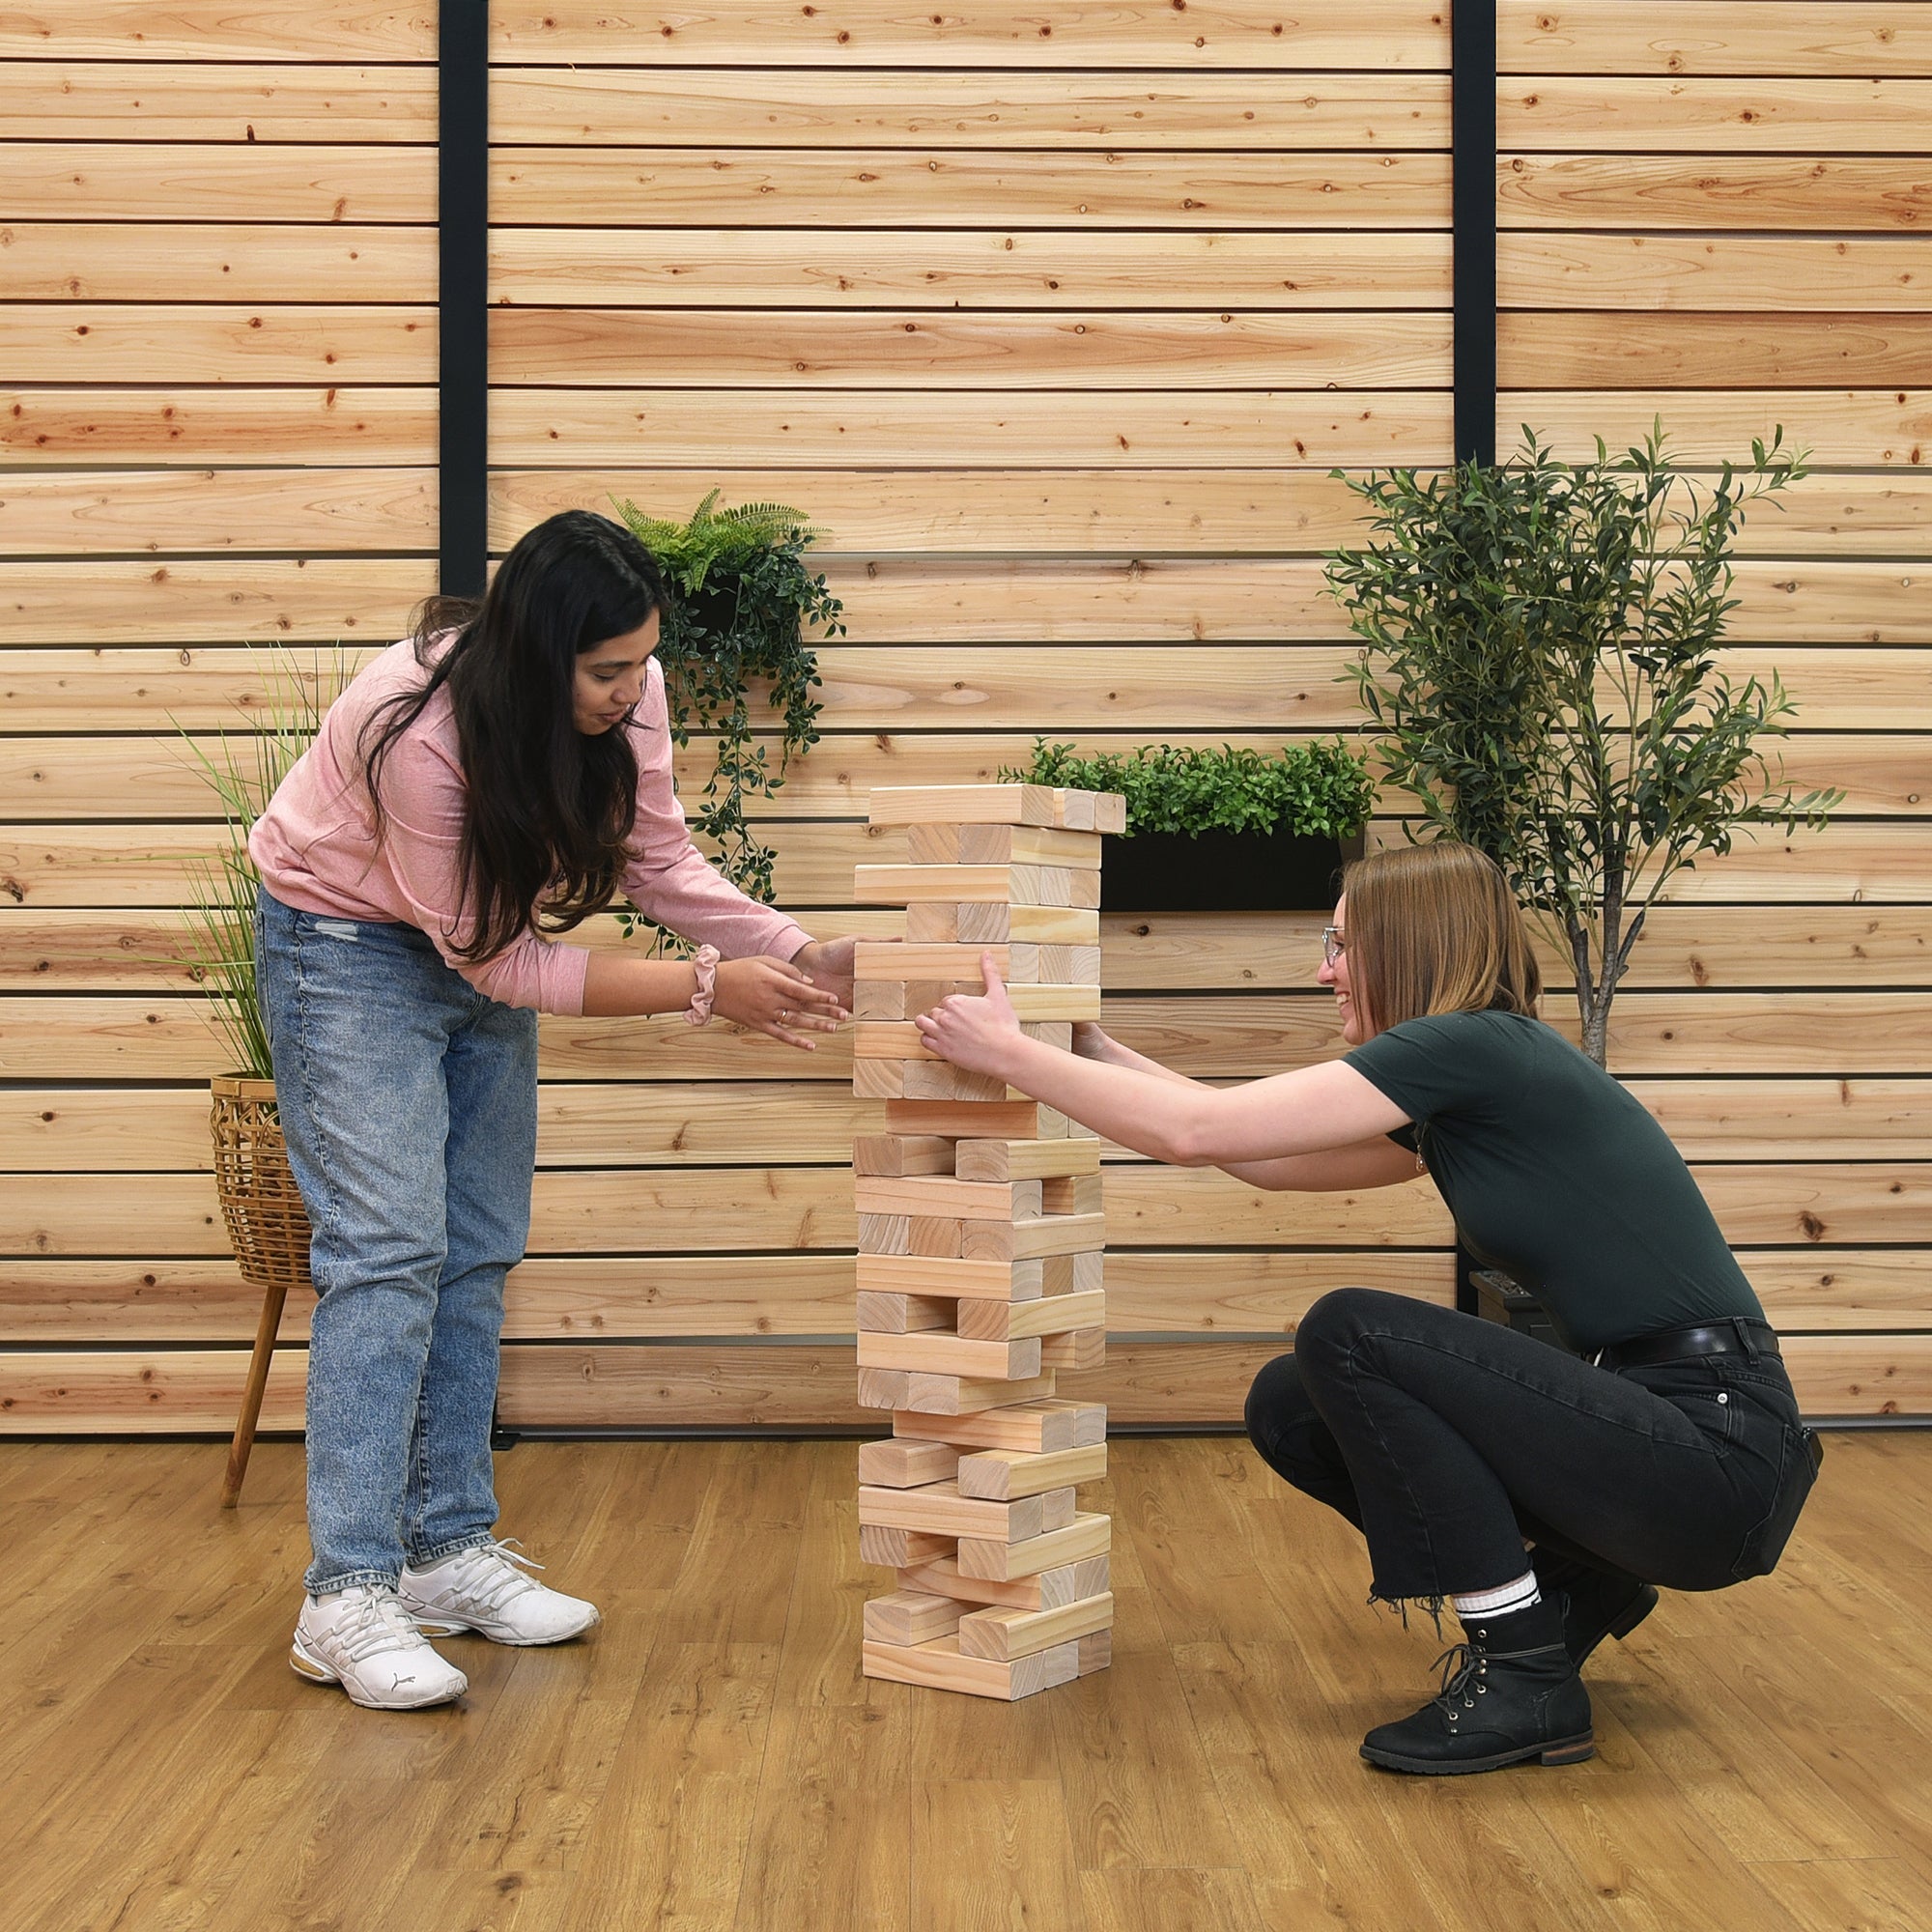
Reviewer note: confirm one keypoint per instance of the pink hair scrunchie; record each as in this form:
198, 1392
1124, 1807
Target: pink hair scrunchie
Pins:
705, 959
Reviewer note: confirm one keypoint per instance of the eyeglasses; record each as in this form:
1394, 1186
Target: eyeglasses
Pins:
1334, 944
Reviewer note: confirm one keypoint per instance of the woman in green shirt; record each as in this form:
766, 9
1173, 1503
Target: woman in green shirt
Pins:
1668, 1450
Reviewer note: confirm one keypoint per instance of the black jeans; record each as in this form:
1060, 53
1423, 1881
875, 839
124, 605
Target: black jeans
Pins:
1447, 1439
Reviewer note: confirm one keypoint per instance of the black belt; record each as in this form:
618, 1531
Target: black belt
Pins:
1737, 1336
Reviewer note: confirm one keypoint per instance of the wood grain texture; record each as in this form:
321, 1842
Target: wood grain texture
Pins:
915, 188
1807, 39
1599, 349
64, 343
853, 109
202, 427
1864, 428
263, 31
765, 267
1697, 115
106, 261
70, 98
1878, 274
1407, 35
1094, 349
166, 182
1785, 192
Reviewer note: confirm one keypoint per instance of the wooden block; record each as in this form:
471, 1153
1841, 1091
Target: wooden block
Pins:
1085, 1536
1006, 1473
935, 844
1051, 1002
1054, 1032
936, 1080
940, 1510
907, 1618
1056, 1509
976, 885
1036, 1427
1004, 1635
1086, 1271
960, 1395
1096, 1651
1019, 845
941, 1354
975, 805
898, 960
878, 999
1022, 1160
885, 1233
1063, 925
1081, 1348
912, 1315
936, 1194
1007, 1321
961, 1280
892, 1464
889, 1039
935, 1236
1045, 1590
939, 1666
878, 1079
971, 1119
900, 1548
1073, 1193
918, 1154
1027, 1240
884, 1388
1030, 963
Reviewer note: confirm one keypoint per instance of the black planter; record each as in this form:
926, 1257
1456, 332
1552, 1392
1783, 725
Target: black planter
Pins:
1223, 872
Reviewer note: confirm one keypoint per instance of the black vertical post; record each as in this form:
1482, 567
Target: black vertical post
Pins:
1472, 36
463, 297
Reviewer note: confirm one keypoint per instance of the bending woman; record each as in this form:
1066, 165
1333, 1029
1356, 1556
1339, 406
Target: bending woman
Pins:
490, 783
1671, 1453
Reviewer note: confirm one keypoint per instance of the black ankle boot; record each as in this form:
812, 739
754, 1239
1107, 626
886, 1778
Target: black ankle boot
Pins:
1593, 1602
1509, 1692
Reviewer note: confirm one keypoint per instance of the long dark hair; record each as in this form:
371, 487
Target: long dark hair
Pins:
548, 808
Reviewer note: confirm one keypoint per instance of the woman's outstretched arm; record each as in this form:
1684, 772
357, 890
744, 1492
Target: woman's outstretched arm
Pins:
1146, 1109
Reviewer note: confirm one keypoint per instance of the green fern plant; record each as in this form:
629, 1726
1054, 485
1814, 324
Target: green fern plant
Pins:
743, 603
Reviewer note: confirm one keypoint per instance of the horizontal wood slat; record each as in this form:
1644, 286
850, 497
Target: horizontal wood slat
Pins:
619, 108
199, 427
166, 182
215, 342
657, 188
67, 99
1869, 428
1806, 37
1845, 193
1097, 349
1598, 350
1022, 268
105, 261
1714, 946
263, 30
1706, 272
1137, 428
1726, 116
1408, 34
690, 1386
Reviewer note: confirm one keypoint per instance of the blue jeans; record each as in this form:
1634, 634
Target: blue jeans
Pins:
408, 1103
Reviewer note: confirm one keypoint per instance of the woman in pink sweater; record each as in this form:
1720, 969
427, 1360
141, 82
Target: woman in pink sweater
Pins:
479, 788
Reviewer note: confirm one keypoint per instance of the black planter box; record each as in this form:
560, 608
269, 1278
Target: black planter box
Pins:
1223, 872
1498, 1298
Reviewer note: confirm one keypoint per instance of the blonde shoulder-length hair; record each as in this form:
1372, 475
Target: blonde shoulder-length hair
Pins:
1433, 930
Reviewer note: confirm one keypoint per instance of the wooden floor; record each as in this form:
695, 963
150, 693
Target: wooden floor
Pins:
711, 1760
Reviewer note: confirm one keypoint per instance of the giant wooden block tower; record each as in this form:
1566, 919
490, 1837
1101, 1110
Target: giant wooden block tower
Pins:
981, 1239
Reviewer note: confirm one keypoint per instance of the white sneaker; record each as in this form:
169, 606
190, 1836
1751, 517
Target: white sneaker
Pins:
362, 1639
485, 1589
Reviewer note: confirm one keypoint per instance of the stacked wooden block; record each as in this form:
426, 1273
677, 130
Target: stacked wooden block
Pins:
981, 1239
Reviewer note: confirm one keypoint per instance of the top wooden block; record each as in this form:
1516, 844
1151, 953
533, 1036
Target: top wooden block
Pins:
999, 805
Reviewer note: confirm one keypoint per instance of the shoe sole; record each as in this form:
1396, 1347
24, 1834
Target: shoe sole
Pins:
1564, 1750
310, 1667
447, 1625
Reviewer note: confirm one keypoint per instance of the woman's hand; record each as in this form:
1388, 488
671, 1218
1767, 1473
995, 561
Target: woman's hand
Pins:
829, 961
1090, 1043
775, 997
977, 1034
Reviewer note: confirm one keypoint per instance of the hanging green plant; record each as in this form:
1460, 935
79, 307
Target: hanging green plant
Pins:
743, 602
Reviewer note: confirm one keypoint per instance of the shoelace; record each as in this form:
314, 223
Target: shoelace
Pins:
375, 1622
490, 1574
1461, 1665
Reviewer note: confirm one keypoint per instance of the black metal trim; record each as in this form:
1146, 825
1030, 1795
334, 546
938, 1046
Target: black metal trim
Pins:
463, 296
1472, 114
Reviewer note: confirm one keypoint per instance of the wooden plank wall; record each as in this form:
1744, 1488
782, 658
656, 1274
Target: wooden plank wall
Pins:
1057, 333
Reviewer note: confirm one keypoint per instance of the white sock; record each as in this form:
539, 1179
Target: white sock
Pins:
1501, 1602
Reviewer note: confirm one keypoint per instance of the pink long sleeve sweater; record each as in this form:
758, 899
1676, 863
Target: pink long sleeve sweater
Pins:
316, 845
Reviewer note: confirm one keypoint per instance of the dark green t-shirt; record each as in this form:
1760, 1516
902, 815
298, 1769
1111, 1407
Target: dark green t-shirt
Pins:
1556, 1175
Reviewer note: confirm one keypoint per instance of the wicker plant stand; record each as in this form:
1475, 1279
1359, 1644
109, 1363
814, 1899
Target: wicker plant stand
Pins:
268, 1226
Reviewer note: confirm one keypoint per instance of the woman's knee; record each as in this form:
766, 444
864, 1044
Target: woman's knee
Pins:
1338, 1320
1279, 1416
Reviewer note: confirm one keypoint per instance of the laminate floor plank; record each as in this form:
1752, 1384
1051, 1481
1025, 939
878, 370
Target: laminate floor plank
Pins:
711, 1760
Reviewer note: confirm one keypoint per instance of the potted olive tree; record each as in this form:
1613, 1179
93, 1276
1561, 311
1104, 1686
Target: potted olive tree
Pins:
736, 628
1233, 830
1543, 664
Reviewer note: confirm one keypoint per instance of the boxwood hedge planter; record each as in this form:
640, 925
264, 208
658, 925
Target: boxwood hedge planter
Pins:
1224, 872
